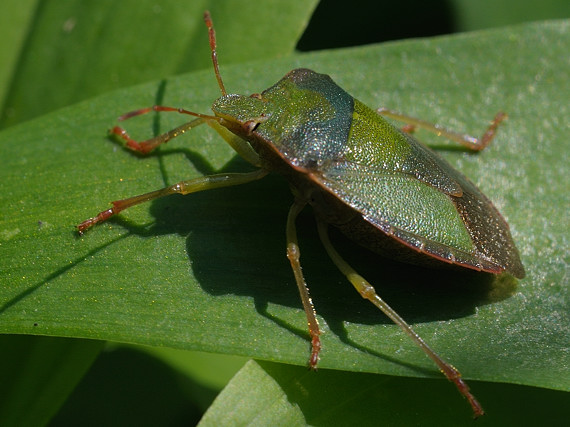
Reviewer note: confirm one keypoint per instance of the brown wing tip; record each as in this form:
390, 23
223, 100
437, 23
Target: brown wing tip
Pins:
517, 270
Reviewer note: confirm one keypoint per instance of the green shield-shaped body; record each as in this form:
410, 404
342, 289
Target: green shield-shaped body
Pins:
377, 184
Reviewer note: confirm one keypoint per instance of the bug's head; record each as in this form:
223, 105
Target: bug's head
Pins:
241, 114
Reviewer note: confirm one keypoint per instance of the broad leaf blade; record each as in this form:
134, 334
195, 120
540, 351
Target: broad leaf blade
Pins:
208, 271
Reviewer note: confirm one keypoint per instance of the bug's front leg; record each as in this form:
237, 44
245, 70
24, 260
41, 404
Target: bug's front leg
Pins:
147, 146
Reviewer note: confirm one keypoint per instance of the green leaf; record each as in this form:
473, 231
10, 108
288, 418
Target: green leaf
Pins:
207, 272
294, 396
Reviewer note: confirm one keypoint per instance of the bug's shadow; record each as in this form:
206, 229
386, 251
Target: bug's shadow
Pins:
235, 241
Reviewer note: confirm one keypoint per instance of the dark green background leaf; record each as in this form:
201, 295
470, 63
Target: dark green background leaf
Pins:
291, 395
38, 373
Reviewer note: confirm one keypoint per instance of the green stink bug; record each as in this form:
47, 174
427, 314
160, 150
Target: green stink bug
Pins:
377, 184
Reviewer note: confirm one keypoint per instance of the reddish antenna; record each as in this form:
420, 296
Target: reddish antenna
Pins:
212, 37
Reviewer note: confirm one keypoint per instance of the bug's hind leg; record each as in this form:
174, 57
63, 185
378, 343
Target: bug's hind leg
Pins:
366, 290
475, 144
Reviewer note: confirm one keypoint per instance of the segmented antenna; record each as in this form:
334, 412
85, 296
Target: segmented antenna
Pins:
212, 37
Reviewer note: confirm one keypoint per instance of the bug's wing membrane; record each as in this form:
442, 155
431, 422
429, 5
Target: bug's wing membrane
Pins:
425, 217
487, 227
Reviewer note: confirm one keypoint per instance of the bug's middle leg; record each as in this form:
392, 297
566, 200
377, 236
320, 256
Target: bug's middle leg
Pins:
202, 183
148, 145
294, 255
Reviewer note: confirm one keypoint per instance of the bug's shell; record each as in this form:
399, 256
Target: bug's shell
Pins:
378, 185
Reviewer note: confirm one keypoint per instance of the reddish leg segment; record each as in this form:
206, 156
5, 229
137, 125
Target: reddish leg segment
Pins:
150, 144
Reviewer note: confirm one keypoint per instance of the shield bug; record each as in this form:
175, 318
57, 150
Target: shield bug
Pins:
376, 183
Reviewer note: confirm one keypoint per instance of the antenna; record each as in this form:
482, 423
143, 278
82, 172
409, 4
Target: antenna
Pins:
212, 38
